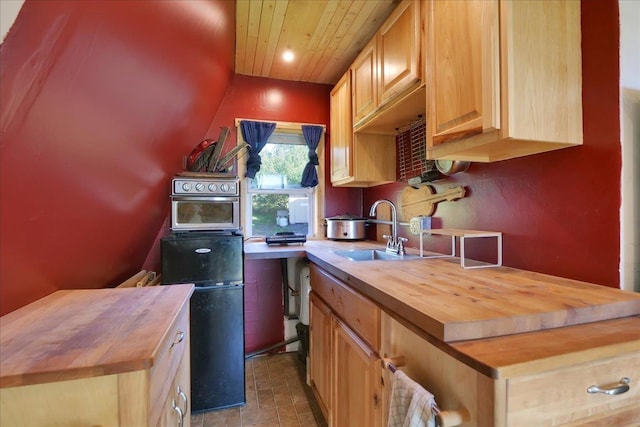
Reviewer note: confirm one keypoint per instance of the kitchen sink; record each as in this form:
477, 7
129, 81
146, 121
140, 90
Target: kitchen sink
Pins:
373, 255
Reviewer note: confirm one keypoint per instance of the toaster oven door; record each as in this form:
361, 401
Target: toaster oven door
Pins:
205, 213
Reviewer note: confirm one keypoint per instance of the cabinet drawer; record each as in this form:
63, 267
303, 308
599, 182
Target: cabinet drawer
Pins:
170, 353
560, 396
358, 312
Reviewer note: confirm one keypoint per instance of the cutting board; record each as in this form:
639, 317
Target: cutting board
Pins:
422, 200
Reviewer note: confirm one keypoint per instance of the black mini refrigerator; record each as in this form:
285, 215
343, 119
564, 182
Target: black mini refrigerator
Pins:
214, 263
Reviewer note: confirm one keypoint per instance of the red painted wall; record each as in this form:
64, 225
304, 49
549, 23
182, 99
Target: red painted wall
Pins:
263, 305
99, 103
559, 211
268, 99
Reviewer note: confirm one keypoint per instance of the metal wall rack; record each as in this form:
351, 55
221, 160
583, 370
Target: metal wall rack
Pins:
463, 235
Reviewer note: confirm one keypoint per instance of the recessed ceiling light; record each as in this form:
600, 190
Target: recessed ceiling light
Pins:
287, 55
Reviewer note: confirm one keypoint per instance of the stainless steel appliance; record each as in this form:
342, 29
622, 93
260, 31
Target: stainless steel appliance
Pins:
205, 203
346, 227
214, 263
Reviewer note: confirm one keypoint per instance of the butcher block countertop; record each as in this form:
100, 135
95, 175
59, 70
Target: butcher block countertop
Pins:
478, 315
74, 334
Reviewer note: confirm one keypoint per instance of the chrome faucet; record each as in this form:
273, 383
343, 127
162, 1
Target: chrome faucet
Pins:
395, 244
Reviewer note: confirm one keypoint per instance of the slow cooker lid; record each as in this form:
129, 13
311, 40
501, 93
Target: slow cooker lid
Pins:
347, 217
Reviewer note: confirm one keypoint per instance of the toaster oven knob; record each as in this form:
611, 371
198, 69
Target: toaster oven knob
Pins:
186, 186
199, 186
213, 187
224, 187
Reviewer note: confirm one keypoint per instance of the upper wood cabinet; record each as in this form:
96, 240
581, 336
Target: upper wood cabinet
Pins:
357, 159
456, 92
389, 67
363, 150
504, 78
497, 79
341, 129
364, 88
399, 51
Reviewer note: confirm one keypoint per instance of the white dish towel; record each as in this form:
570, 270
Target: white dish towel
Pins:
411, 405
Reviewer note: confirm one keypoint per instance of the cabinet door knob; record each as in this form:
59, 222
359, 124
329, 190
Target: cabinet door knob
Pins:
179, 338
182, 395
621, 387
179, 412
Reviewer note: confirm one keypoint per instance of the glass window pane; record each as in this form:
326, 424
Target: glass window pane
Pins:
282, 166
273, 213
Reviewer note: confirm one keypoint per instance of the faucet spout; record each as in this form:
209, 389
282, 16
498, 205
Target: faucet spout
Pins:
393, 241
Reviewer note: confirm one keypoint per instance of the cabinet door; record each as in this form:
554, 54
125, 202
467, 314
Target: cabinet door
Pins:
320, 341
364, 84
455, 385
543, 79
399, 51
341, 129
177, 406
463, 69
356, 390
171, 357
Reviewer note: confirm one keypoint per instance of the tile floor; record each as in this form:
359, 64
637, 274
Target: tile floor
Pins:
277, 396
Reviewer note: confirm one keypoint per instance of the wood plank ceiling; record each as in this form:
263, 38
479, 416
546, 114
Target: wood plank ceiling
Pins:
325, 36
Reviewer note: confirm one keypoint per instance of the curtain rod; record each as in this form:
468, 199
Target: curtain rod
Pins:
284, 125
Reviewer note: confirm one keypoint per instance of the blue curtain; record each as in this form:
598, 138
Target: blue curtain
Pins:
312, 136
256, 135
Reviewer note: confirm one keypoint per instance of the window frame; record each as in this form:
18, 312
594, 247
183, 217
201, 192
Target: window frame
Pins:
316, 194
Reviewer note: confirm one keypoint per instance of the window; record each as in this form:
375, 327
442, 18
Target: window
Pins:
274, 201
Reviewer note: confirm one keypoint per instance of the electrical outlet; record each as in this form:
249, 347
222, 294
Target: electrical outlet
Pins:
419, 223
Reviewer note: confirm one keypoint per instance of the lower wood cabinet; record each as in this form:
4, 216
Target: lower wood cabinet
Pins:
320, 346
540, 394
356, 387
455, 385
177, 405
535, 379
170, 378
344, 370
559, 396
120, 357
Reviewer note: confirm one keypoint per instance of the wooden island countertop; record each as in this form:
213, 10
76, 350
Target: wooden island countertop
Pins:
83, 333
499, 320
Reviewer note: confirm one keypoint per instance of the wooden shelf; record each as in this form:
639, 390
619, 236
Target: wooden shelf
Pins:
463, 235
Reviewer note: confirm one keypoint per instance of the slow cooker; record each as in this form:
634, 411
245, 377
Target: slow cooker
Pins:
346, 227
